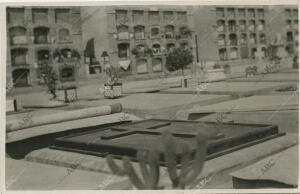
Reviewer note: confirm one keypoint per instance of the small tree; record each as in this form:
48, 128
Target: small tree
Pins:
272, 58
179, 58
112, 74
50, 78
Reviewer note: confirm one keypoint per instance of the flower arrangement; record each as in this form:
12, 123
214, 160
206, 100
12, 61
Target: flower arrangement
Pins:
112, 74
112, 86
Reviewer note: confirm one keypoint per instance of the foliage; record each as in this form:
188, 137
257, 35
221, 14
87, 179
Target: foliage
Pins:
50, 78
112, 74
149, 164
179, 58
140, 53
272, 58
57, 53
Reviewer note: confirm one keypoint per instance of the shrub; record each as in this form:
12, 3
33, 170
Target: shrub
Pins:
50, 78
178, 59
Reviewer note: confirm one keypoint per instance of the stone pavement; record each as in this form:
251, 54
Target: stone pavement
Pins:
283, 168
147, 105
253, 103
272, 77
232, 88
23, 175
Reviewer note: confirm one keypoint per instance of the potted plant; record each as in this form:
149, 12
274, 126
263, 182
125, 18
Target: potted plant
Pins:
112, 87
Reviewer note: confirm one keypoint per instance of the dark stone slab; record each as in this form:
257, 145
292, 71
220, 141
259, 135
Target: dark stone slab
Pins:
126, 139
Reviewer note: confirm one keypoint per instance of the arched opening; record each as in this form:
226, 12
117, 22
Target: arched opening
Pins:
242, 12
141, 48
123, 33
184, 32
66, 53
264, 51
251, 12
156, 49
262, 38
252, 38
252, 25
288, 24
43, 55
242, 25
17, 35
169, 32
20, 77
233, 53
253, 52
139, 32
141, 66
157, 64
170, 47
289, 36
232, 39
41, 35
295, 24
43, 58
223, 54
243, 39
231, 12
67, 74
155, 32
123, 50
244, 52
64, 35
231, 25
261, 25
19, 56
221, 39
220, 25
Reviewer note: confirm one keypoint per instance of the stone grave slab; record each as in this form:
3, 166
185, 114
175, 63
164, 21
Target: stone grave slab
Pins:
125, 139
231, 88
286, 120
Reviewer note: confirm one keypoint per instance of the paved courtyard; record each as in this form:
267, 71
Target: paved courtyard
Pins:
269, 102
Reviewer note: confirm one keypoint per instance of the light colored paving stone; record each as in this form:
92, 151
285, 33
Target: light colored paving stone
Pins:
253, 103
68, 125
148, 105
231, 88
277, 169
23, 175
